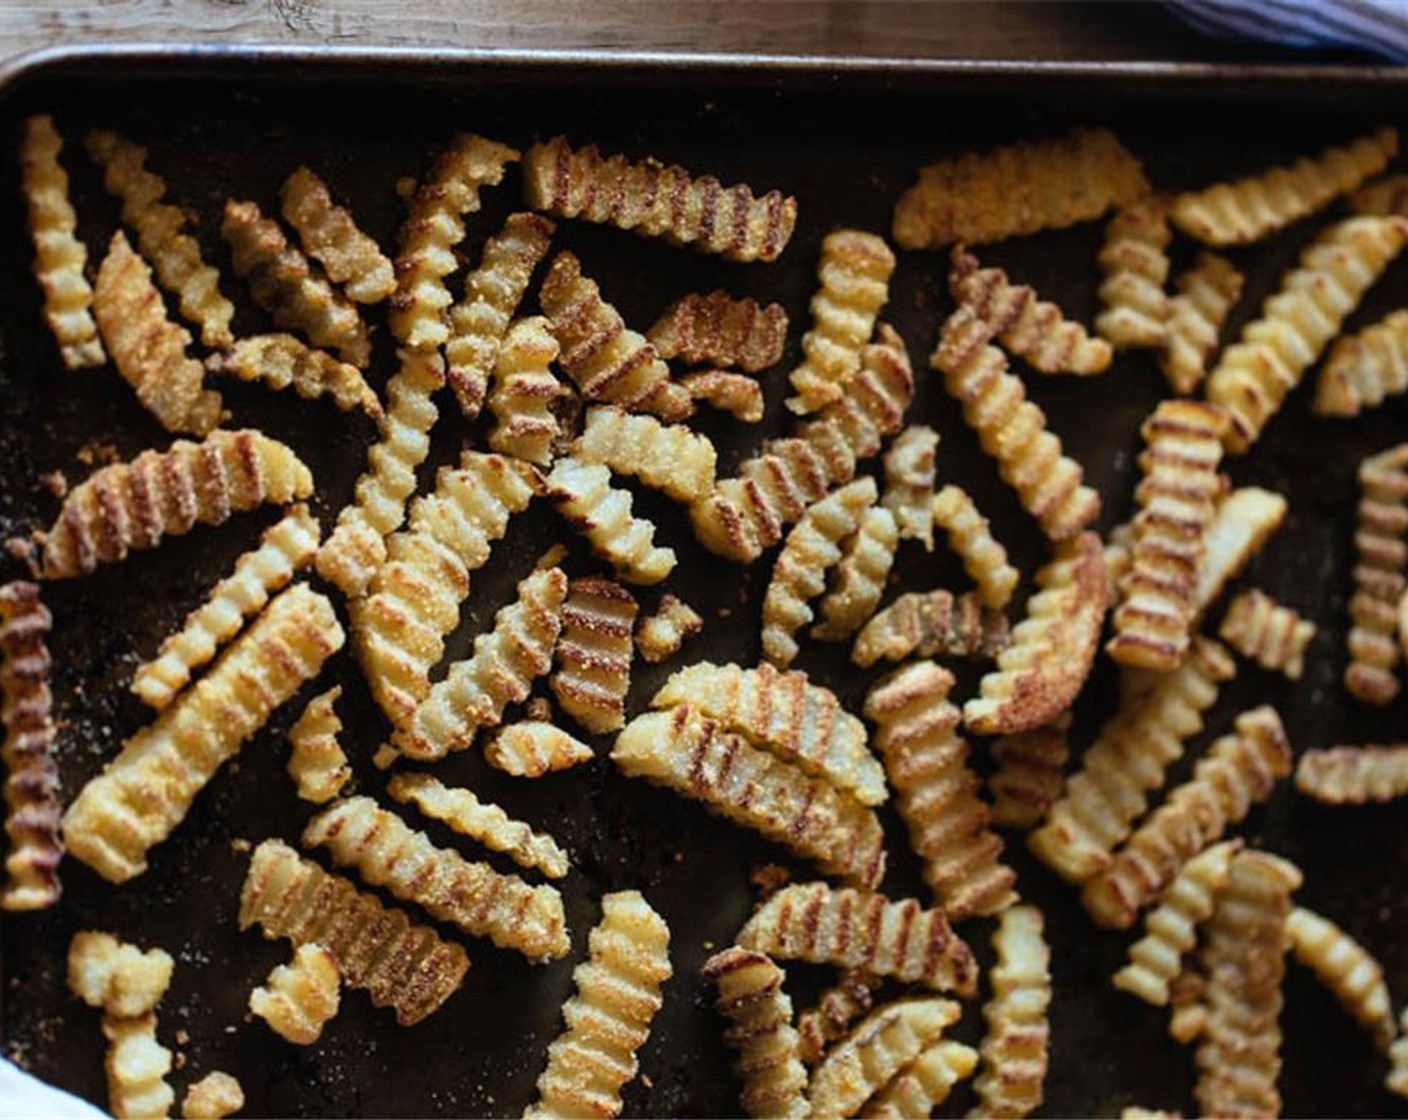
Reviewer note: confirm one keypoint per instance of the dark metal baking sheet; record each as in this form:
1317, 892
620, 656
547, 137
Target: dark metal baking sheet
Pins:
846, 138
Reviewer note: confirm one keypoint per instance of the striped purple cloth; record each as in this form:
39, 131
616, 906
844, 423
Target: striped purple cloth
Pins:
1377, 26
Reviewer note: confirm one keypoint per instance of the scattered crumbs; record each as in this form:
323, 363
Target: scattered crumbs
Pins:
180, 1062
708, 946
724, 612
231, 1029
1385, 913
385, 755
56, 482
234, 767
95, 452
539, 709
240, 845
646, 1081
22, 549
405, 187
552, 557
183, 1036
769, 878
679, 857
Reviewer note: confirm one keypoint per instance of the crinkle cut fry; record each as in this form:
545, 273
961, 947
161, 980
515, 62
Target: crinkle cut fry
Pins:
59, 255
1011, 428
861, 575
282, 361
1243, 522
929, 624
174, 254
1135, 262
692, 755
836, 1010
875, 399
1383, 196
760, 1031
1273, 635
144, 793
594, 653
533, 748
1014, 1049
718, 330
667, 457
1029, 327
1205, 295
128, 507
402, 965
117, 977
910, 469
137, 1065
602, 513
32, 804
1346, 968
1354, 775
1249, 209
1017, 189
286, 547
1363, 369
970, 537
618, 993
330, 236
213, 1097
1379, 577
148, 349
524, 391
316, 761
1028, 777
658, 201
735, 393
858, 929
925, 1083
299, 998
660, 636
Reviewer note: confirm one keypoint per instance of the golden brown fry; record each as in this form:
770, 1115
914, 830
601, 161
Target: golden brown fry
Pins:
1346, 968
1014, 1049
159, 227
1188, 1009
1134, 751
1243, 957
330, 236
837, 1008
1238, 771
909, 482
867, 556
143, 794
658, 201
926, 761
115, 977
607, 360
1354, 775
1028, 326
402, 965
524, 391
128, 507
930, 624
1244, 520
1249, 209
1274, 636
1017, 189
693, 755
532, 749
666, 457
1253, 377
1135, 263
854, 274
1011, 428
661, 635
970, 536
873, 402
299, 998
286, 547
59, 256
316, 761
1051, 651
594, 652
1206, 293
602, 513
801, 723
811, 549
721, 331
925, 1083
608, 1018
760, 1029
1387, 195
492, 295
1028, 777
1364, 368
1379, 580
388, 853
857, 929
282, 361
213, 1097
32, 776
137, 1065
149, 350
282, 281
735, 393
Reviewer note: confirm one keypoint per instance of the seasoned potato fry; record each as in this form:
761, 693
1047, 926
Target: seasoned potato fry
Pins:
811, 549
593, 654
867, 556
857, 929
159, 227
930, 624
909, 482
666, 457
1253, 377
1028, 777
1130, 758
1243, 522
1346, 968
115, 977
1051, 651
1135, 264
330, 236
1012, 429
282, 281
608, 1018
148, 349
128, 507
501, 670
282, 361
316, 761
1032, 328
970, 536
854, 274
388, 853
1363, 369
1273, 636
1017, 189
137, 1065
874, 401
32, 804
926, 761
1206, 293
694, 756
1379, 580
658, 201
401, 965
1238, 771
1354, 775
759, 1012
213, 1097
492, 295
59, 256
721, 331
607, 360
602, 513
524, 391
1014, 1049
481, 821
532, 749
287, 547
661, 635
1249, 209
300, 997
801, 723
1386, 195
837, 1008
144, 793
735, 393
925, 1083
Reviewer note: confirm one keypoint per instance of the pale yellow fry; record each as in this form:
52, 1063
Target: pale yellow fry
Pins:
1272, 635
301, 997
330, 236
213, 1097
136, 1065
667, 457
117, 977
1011, 1083
1354, 775
910, 469
1379, 577
282, 361
1346, 968
1205, 294
970, 537
524, 391
660, 636
867, 556
602, 513
316, 761
593, 654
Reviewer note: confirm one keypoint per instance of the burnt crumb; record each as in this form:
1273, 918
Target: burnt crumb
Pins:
769, 878
102, 453
539, 708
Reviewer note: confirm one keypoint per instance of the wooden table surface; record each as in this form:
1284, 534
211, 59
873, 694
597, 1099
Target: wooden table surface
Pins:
1010, 30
